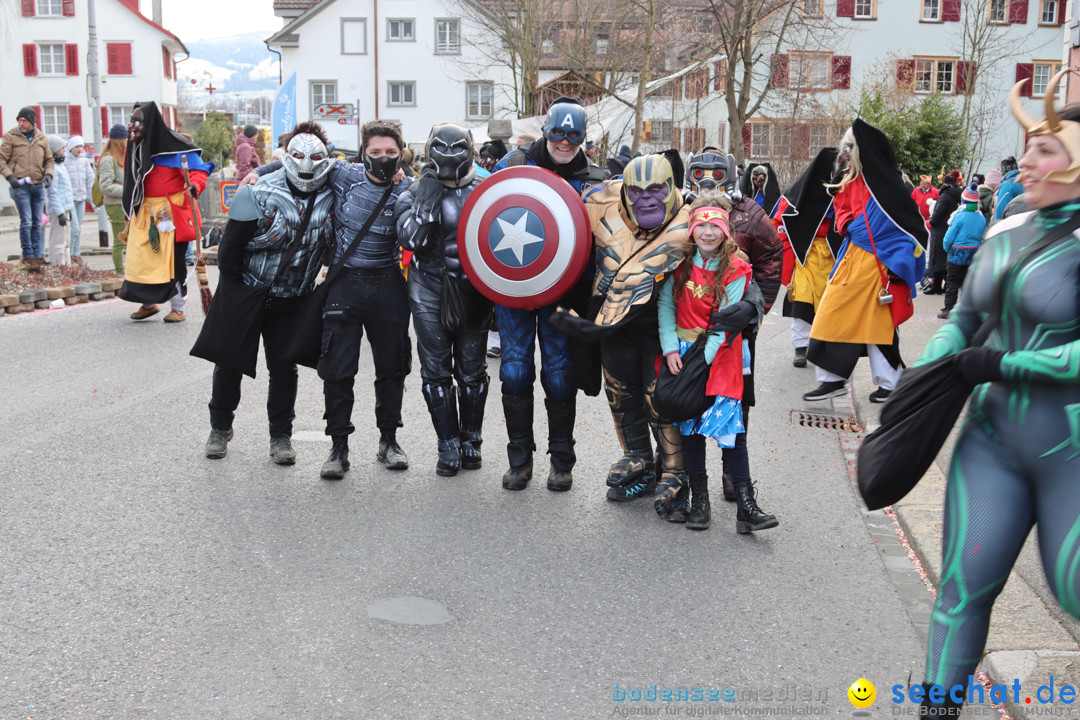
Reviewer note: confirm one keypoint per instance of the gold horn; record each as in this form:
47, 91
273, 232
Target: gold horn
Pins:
1052, 118
1022, 117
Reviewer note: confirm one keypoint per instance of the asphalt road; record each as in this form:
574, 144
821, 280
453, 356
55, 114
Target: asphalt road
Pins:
140, 579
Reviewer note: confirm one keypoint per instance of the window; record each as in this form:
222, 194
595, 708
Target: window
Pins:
50, 8
54, 119
820, 137
322, 91
547, 46
1048, 12
761, 146
810, 71
998, 11
400, 30
479, 100
1040, 78
118, 58
50, 58
864, 9
354, 36
931, 10
934, 75
119, 115
402, 93
447, 39
603, 42
811, 8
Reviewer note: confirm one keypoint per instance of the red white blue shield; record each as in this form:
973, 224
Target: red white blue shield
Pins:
524, 237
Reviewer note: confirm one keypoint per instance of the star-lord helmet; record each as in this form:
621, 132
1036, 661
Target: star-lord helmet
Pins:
450, 150
711, 171
307, 162
1066, 131
649, 193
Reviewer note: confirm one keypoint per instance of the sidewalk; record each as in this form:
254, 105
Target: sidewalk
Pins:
1031, 638
96, 257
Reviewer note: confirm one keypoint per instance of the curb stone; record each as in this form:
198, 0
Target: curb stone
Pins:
57, 293
31, 296
7, 300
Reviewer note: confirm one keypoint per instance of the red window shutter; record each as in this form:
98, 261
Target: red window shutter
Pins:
721, 135
28, 9
104, 122
781, 67
747, 138
125, 59
905, 73
1025, 71
950, 10
29, 54
166, 61
802, 141
845, 8
1018, 11
1060, 17
74, 119
71, 59
718, 78
676, 91
37, 111
965, 77
841, 72
69, 8
118, 58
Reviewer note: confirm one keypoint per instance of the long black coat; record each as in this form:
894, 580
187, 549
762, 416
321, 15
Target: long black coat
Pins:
948, 201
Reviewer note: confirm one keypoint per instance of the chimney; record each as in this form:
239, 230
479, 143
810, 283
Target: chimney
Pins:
157, 12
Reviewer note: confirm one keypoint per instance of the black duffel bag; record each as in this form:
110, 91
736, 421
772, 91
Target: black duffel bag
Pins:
683, 397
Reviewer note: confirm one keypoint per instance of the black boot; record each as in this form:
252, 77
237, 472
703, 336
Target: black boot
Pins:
800, 358
561, 443
699, 516
337, 464
518, 410
948, 707
443, 409
749, 516
471, 402
729, 488
676, 508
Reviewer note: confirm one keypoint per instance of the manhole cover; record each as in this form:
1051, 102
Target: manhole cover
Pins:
843, 423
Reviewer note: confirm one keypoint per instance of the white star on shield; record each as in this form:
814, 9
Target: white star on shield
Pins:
516, 237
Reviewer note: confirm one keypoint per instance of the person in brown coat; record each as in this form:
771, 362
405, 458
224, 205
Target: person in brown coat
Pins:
27, 163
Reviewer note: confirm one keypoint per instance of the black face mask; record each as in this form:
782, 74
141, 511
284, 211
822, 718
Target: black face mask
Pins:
59, 158
382, 168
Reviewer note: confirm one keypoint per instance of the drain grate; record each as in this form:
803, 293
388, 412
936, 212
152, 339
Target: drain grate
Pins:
843, 423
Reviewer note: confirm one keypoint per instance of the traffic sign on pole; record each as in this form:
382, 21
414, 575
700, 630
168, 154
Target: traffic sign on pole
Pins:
348, 121
335, 110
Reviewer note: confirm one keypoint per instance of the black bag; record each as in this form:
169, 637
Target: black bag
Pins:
305, 347
926, 403
682, 397
462, 308
230, 334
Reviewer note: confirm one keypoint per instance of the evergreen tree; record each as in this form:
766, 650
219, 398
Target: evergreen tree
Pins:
926, 132
214, 136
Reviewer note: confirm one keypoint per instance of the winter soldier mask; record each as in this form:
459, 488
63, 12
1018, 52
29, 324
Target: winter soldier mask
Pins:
1066, 131
307, 162
450, 150
649, 195
710, 171
382, 168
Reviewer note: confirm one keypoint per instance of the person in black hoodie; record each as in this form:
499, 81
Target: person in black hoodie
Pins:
947, 203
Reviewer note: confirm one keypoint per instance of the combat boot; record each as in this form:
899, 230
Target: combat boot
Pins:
561, 443
699, 516
518, 410
471, 402
444, 417
750, 517
337, 464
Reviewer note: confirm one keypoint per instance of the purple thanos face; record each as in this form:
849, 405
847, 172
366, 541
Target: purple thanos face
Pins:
649, 205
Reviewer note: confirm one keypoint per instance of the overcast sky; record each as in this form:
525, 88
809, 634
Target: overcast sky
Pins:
193, 20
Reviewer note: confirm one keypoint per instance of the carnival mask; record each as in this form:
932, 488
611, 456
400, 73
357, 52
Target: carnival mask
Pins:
709, 170
649, 194
307, 162
450, 149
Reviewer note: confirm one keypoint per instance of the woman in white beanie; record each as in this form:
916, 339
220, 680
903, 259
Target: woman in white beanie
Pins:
59, 204
81, 172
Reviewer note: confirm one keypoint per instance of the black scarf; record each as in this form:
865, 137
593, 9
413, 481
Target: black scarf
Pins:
808, 202
157, 139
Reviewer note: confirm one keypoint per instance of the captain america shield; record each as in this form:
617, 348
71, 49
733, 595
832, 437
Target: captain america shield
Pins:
524, 237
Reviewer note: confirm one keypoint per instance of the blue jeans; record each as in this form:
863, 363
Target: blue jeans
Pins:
76, 226
30, 202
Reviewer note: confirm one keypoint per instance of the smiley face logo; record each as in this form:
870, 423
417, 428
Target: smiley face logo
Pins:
862, 693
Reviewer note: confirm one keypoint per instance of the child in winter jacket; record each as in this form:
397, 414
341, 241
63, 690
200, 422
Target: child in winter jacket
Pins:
59, 204
961, 241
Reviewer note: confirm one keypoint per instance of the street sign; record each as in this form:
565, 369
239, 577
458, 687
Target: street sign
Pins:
348, 121
335, 110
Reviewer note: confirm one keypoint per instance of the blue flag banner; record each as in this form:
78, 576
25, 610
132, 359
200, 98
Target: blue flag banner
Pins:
283, 119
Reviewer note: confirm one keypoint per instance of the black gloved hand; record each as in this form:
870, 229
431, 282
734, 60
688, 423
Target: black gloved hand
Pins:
194, 191
62, 219
979, 365
428, 194
689, 197
46, 180
735, 317
13, 181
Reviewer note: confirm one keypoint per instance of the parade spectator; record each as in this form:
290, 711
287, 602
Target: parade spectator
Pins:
159, 195
961, 241
947, 203
111, 184
279, 151
1010, 186
884, 242
59, 204
246, 157
1015, 463
986, 197
81, 171
277, 237
427, 224
27, 164
925, 195
561, 151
